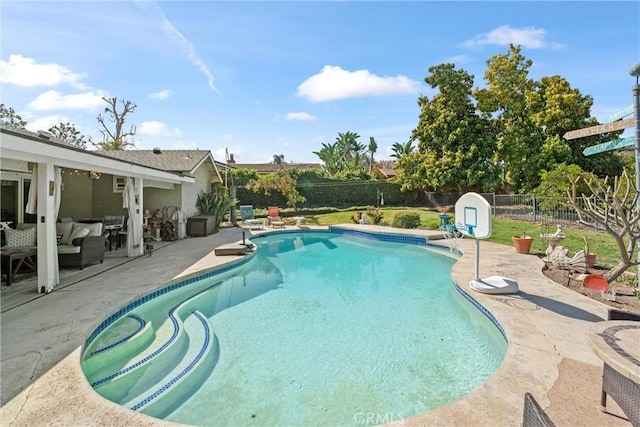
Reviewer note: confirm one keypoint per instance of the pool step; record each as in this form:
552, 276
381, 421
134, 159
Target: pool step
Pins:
106, 356
187, 376
122, 380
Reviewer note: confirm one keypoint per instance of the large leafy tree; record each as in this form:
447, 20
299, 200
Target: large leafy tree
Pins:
116, 138
558, 109
455, 144
508, 98
531, 117
282, 181
8, 117
68, 133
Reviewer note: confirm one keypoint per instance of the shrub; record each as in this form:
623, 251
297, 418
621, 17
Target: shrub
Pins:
374, 214
406, 220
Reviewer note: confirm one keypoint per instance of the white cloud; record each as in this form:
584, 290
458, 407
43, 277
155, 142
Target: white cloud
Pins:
300, 116
226, 137
184, 145
457, 59
54, 100
26, 72
155, 128
163, 94
219, 154
335, 83
529, 37
44, 123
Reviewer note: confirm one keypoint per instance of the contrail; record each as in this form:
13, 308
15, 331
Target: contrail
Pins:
173, 33
188, 46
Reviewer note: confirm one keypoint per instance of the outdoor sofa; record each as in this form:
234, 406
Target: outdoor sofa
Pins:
79, 244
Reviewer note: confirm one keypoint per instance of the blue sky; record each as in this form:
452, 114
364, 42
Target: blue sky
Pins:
264, 78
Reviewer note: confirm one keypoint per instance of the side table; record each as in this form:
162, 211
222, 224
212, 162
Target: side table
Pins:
21, 256
617, 343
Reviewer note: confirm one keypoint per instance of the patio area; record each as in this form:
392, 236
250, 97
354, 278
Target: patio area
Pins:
546, 324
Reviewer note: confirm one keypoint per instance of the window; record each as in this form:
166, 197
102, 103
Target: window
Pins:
118, 184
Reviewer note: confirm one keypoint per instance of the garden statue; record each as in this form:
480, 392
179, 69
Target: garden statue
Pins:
553, 239
559, 259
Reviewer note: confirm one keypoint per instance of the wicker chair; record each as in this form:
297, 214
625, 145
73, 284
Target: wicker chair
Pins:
533, 415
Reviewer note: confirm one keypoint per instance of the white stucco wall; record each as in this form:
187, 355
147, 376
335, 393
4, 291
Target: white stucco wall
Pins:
190, 191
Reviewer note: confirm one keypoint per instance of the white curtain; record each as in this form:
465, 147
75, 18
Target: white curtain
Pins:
134, 227
56, 208
32, 200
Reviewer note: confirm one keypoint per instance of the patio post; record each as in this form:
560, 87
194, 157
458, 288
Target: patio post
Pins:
46, 225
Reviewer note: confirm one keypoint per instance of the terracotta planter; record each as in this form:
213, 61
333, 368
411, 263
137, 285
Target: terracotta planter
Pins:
522, 244
591, 259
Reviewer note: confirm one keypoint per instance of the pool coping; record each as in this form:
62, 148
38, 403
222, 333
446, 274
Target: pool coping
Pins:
545, 324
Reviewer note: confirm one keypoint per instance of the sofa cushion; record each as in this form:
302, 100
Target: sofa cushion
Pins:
65, 229
78, 232
95, 229
68, 249
20, 238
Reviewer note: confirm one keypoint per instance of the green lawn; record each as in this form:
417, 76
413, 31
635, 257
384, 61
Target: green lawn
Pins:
502, 231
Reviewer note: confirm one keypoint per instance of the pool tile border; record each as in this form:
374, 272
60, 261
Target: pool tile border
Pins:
178, 283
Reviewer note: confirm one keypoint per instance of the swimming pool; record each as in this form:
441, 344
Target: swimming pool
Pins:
323, 328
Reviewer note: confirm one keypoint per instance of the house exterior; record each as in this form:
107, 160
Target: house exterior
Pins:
83, 183
198, 164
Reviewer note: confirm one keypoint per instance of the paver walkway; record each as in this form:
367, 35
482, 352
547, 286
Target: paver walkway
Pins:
548, 355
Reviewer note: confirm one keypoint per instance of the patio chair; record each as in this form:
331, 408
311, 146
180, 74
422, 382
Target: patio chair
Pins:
112, 226
273, 217
533, 415
248, 217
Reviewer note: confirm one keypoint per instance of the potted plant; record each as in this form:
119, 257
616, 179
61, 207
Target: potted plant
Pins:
522, 243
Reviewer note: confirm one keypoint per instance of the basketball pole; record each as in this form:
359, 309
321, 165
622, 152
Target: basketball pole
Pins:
477, 259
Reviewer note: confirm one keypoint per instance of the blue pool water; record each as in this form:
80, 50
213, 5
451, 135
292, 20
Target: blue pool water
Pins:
316, 328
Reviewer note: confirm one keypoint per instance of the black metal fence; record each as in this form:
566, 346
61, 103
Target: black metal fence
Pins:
524, 207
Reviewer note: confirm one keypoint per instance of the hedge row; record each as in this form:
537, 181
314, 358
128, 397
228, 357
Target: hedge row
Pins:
339, 194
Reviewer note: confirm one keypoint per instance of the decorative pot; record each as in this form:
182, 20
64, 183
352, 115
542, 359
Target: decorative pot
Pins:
522, 244
591, 259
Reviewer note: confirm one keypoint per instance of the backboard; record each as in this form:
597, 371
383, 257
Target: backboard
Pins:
473, 216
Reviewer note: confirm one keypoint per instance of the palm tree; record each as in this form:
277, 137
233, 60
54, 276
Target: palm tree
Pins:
278, 159
373, 147
401, 150
329, 156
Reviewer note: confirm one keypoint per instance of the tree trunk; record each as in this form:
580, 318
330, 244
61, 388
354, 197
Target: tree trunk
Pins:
617, 271
232, 215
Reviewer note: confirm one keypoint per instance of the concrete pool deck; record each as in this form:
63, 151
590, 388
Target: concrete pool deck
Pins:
546, 324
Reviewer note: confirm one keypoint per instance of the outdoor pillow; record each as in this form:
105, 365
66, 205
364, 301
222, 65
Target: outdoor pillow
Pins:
64, 228
77, 241
20, 238
78, 232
